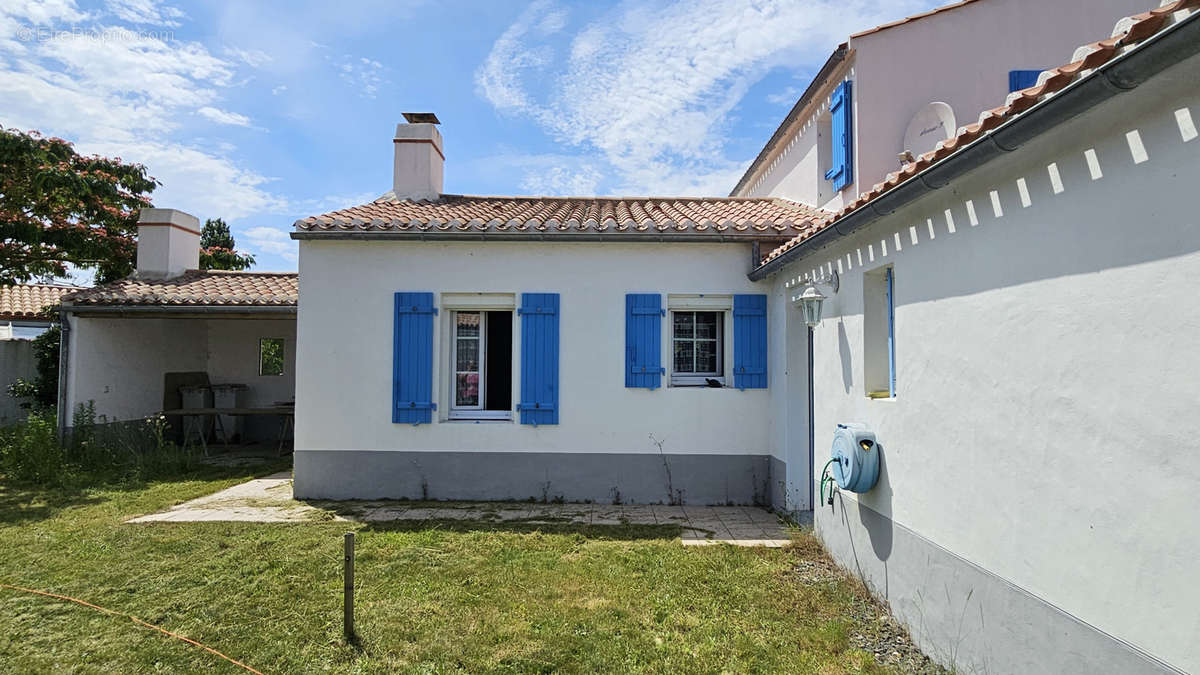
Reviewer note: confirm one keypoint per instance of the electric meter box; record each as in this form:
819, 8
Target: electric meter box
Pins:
857, 455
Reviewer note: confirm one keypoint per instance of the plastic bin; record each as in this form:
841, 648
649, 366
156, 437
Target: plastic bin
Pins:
197, 396
230, 396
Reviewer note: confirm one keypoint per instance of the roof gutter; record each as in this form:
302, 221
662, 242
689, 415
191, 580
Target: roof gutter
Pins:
551, 235
142, 310
1121, 74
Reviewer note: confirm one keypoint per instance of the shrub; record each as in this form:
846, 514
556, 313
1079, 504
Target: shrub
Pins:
96, 450
30, 451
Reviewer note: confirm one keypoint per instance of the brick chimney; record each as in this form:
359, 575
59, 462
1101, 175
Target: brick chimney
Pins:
168, 243
417, 170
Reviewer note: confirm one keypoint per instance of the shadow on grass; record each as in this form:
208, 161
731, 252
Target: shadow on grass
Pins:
629, 532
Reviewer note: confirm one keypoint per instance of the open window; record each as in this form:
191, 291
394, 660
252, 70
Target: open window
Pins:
270, 356
481, 360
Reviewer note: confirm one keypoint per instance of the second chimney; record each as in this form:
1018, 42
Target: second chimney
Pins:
417, 169
168, 243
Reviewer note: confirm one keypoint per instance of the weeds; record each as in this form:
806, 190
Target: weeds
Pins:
137, 450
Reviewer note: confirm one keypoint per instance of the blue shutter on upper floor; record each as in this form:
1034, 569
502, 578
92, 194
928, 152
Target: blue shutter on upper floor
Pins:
412, 359
643, 340
539, 358
841, 114
750, 341
1022, 79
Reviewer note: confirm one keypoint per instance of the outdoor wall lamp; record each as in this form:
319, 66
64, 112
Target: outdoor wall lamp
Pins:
811, 299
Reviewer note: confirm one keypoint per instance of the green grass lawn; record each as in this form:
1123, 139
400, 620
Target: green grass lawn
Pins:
431, 598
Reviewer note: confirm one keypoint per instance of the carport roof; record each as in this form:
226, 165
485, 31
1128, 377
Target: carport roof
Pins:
195, 288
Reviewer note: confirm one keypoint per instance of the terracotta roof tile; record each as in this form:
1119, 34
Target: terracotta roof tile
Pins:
197, 288
1132, 31
752, 218
26, 301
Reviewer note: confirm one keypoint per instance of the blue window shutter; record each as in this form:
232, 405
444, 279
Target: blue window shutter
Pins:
412, 359
841, 113
643, 340
1022, 79
539, 358
750, 341
891, 335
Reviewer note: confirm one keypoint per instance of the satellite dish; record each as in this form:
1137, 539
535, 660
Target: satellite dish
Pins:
933, 123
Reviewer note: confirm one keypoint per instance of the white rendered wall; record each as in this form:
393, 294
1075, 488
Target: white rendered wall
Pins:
344, 387
1045, 427
119, 363
961, 57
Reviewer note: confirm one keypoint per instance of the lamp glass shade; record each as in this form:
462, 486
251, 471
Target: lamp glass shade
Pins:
810, 306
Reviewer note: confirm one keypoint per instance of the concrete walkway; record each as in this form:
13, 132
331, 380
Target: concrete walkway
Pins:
269, 500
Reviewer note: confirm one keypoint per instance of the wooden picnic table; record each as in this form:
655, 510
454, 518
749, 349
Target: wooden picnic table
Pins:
193, 421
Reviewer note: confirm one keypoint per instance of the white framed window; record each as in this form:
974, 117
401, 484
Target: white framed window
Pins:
481, 364
697, 347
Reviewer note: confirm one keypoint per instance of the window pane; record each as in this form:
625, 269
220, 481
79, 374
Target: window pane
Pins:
467, 324
706, 325
467, 355
684, 324
270, 356
466, 390
683, 356
706, 356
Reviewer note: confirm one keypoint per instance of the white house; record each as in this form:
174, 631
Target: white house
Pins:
130, 345
1011, 317
1016, 323
508, 348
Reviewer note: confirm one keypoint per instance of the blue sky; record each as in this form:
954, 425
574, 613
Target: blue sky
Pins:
262, 113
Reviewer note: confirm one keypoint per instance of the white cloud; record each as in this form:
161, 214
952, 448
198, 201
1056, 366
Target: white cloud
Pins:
649, 88
255, 58
363, 74
786, 97
275, 91
147, 12
223, 116
272, 240
130, 94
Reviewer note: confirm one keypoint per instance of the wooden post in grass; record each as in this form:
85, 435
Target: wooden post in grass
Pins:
348, 589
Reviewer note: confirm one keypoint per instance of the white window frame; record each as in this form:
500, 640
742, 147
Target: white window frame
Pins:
722, 304
452, 303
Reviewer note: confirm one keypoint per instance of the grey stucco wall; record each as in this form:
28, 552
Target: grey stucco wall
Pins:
631, 478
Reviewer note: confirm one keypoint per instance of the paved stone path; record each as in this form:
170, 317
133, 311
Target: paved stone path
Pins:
269, 500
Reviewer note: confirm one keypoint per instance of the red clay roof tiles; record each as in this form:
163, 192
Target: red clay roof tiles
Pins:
750, 218
26, 301
197, 288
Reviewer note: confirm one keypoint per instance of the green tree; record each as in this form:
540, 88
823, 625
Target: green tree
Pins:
59, 208
217, 248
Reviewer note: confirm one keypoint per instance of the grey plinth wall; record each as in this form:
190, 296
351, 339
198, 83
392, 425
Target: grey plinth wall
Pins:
961, 615
629, 478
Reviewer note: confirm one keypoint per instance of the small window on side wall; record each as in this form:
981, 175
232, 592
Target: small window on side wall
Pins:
270, 356
879, 333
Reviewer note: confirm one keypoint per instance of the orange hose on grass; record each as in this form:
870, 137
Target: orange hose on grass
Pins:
133, 619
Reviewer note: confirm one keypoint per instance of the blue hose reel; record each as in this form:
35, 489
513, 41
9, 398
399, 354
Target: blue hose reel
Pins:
855, 458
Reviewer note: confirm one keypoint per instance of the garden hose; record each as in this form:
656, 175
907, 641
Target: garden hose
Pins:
132, 618
826, 476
